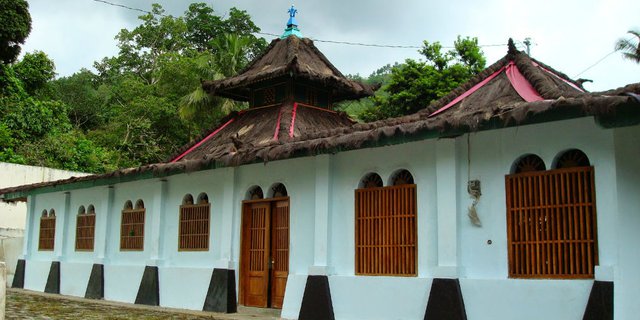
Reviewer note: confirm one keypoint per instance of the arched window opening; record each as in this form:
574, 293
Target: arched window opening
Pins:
203, 198
132, 227
386, 226
370, 180
255, 193
47, 236
551, 218
528, 163
572, 158
278, 191
128, 205
401, 177
187, 199
193, 231
85, 228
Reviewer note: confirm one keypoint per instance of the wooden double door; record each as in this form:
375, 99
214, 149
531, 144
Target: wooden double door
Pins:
264, 261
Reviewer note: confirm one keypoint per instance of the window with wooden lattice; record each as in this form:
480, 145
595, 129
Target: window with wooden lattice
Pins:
551, 219
386, 226
193, 233
132, 227
85, 228
47, 234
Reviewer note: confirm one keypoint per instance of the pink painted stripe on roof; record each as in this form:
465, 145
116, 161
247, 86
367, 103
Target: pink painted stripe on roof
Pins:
275, 134
468, 92
557, 76
522, 86
202, 141
293, 119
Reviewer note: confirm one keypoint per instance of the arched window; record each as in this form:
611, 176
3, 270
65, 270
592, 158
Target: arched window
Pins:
370, 180
551, 219
386, 226
278, 190
528, 163
47, 234
572, 158
193, 232
85, 228
254, 193
132, 227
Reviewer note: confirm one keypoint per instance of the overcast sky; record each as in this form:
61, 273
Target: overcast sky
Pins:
569, 35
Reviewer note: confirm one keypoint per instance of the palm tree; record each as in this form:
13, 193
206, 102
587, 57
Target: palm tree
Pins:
630, 48
229, 56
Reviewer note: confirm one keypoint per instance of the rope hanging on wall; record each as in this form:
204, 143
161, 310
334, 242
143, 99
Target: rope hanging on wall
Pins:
474, 190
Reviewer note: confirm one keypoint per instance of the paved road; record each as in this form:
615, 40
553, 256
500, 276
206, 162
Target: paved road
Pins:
24, 304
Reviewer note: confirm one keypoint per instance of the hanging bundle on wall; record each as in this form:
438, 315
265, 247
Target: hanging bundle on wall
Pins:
473, 188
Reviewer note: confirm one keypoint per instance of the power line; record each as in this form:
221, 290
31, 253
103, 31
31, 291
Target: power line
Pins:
126, 7
596, 63
314, 39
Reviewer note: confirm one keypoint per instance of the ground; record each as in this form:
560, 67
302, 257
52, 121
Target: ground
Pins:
24, 304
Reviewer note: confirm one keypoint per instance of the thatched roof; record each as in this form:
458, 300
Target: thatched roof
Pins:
495, 104
290, 57
257, 127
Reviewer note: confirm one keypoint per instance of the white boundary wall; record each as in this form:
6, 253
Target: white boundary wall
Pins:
322, 226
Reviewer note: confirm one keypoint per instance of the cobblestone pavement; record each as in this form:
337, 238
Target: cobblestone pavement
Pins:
24, 304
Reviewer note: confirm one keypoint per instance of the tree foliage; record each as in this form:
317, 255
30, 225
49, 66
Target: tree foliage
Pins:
15, 26
630, 47
139, 105
411, 86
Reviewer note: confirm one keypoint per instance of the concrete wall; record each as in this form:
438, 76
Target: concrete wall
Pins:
322, 226
11, 175
627, 280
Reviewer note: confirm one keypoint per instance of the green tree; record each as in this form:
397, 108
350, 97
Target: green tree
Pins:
630, 47
15, 26
35, 70
414, 84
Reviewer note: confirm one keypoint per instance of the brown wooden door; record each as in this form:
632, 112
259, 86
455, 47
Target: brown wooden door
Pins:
279, 251
255, 256
265, 253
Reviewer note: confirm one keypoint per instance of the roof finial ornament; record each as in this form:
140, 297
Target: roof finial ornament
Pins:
512, 47
292, 24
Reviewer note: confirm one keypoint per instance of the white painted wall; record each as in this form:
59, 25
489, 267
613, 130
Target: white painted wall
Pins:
11, 175
627, 280
448, 245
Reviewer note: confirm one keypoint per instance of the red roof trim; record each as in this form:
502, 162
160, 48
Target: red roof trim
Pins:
293, 119
275, 133
202, 141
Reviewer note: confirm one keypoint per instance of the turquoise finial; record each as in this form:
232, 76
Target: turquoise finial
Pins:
292, 24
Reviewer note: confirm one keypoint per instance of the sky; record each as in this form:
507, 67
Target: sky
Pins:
576, 37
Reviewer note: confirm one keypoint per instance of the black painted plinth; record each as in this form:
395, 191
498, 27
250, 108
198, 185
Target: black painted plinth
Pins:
53, 280
221, 296
18, 277
149, 290
316, 301
95, 287
445, 301
600, 305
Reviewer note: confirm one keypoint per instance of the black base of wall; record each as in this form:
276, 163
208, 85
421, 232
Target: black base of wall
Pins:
53, 280
316, 301
18, 277
221, 296
95, 287
445, 301
149, 290
600, 305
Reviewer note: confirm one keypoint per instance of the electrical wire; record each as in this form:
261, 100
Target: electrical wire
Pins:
392, 46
